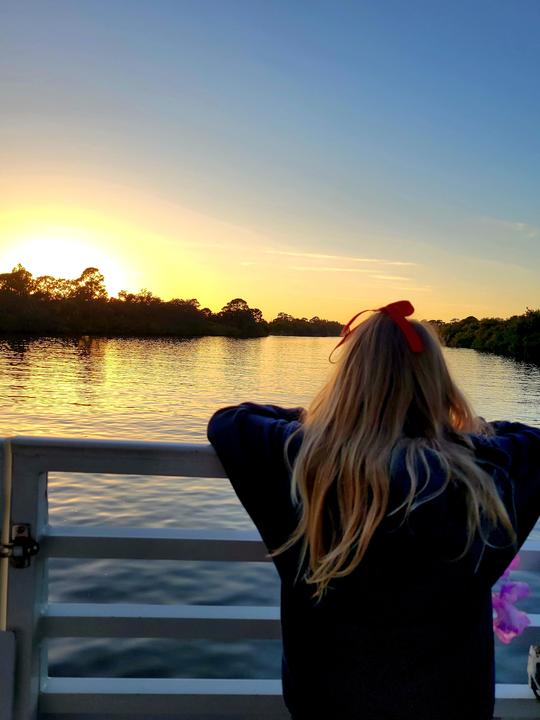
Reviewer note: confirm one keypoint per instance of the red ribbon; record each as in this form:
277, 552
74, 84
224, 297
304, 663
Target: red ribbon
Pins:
398, 312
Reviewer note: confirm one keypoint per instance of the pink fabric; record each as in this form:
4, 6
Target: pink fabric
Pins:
509, 622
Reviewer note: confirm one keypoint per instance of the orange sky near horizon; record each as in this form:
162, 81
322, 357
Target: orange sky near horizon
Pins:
59, 226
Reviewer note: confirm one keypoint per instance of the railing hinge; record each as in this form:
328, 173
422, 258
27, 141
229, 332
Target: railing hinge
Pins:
21, 548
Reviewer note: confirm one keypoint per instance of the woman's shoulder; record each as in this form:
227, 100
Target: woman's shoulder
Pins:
247, 412
508, 452
253, 442
512, 445
511, 454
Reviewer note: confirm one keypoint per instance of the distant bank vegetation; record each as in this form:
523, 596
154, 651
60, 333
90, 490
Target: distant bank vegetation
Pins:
47, 305
517, 337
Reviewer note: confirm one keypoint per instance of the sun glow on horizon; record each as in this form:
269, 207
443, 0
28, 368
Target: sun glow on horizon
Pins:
138, 240
63, 253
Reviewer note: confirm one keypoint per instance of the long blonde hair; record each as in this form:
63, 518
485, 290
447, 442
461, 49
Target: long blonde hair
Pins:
381, 393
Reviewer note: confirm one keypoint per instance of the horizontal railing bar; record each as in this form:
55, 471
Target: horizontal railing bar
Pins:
224, 697
529, 556
218, 622
215, 622
515, 702
153, 544
125, 457
200, 715
181, 544
139, 696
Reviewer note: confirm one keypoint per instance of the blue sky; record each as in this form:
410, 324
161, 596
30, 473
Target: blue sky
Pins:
401, 132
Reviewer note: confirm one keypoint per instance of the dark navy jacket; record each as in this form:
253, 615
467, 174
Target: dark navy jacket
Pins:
408, 635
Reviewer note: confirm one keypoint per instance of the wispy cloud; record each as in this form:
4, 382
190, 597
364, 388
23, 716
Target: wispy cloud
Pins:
520, 228
348, 258
332, 269
389, 277
397, 262
318, 268
427, 288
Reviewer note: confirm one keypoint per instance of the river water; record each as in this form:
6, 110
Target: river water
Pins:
163, 389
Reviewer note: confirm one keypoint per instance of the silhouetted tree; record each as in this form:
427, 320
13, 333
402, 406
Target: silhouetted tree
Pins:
285, 324
518, 336
248, 322
143, 297
47, 287
90, 285
19, 281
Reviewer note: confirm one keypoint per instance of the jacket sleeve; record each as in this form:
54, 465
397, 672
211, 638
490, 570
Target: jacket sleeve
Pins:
250, 440
522, 444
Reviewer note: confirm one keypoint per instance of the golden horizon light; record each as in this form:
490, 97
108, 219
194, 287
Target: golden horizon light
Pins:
139, 240
64, 257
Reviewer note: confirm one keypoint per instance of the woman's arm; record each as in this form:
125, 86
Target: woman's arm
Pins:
250, 441
522, 444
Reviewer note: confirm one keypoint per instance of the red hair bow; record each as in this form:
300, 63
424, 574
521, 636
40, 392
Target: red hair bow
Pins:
398, 311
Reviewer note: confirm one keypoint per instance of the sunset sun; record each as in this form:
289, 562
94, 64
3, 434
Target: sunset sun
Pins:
62, 256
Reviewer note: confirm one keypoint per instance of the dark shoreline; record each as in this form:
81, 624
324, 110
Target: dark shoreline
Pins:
49, 306
517, 337
56, 307
140, 336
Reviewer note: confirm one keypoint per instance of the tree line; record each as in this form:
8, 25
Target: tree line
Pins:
517, 337
47, 305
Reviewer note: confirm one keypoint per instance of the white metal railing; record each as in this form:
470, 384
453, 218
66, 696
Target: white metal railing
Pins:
29, 619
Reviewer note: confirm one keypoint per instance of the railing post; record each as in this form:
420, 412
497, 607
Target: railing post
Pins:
7, 639
5, 516
7, 674
27, 587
